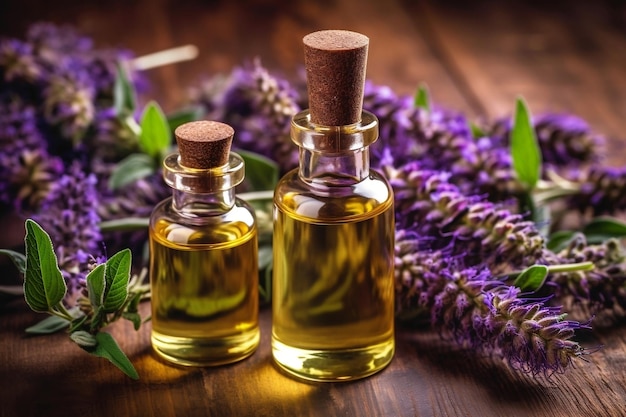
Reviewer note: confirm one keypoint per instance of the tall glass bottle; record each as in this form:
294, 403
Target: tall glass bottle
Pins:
333, 295
203, 254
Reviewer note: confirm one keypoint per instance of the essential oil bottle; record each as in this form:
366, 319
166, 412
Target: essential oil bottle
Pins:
333, 240
203, 254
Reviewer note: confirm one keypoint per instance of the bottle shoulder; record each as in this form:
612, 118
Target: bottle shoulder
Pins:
239, 223
314, 201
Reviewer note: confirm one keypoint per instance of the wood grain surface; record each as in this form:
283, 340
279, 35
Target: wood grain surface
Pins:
476, 57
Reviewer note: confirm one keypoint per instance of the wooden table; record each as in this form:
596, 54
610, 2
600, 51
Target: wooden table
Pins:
476, 58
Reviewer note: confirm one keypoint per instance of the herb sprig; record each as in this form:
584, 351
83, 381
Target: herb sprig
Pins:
110, 294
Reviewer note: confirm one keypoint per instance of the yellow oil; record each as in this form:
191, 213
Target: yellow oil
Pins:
333, 314
204, 285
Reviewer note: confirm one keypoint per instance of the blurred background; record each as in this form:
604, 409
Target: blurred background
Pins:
475, 57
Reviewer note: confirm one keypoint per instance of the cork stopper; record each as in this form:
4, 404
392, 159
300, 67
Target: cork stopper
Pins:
204, 144
335, 63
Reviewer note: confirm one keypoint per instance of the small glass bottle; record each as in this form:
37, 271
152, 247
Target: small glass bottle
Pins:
203, 254
333, 241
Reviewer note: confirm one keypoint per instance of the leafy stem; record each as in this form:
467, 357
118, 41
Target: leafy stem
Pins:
111, 294
533, 277
60, 311
573, 267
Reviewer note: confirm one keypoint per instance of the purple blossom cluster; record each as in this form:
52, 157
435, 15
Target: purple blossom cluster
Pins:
59, 137
258, 105
69, 215
566, 140
480, 312
600, 292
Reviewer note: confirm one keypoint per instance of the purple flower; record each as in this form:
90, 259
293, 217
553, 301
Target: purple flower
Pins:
391, 112
17, 62
428, 204
565, 140
479, 311
601, 190
54, 42
599, 291
434, 137
111, 140
258, 105
133, 200
69, 215
69, 105
56, 107
484, 168
27, 171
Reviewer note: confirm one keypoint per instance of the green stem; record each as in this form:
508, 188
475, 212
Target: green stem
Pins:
124, 225
544, 196
555, 269
579, 266
60, 311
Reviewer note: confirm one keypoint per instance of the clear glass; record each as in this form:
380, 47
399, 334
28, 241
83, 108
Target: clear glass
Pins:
204, 268
333, 241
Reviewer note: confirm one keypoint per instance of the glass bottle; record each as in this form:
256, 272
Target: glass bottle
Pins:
203, 254
333, 242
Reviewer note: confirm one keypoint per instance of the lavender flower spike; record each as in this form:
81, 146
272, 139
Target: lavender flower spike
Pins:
602, 190
600, 291
69, 216
530, 336
482, 313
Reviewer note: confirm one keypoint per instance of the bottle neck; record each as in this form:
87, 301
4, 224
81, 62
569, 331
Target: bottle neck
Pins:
334, 155
334, 168
205, 204
203, 192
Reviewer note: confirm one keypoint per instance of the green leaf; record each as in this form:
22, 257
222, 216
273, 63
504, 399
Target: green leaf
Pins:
532, 278
134, 318
605, 228
48, 325
525, 150
44, 286
108, 348
183, 116
84, 339
130, 169
18, 259
477, 131
559, 240
78, 323
95, 285
261, 172
156, 136
126, 224
116, 276
123, 93
133, 304
422, 98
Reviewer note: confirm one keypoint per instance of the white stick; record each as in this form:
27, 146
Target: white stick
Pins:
165, 57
